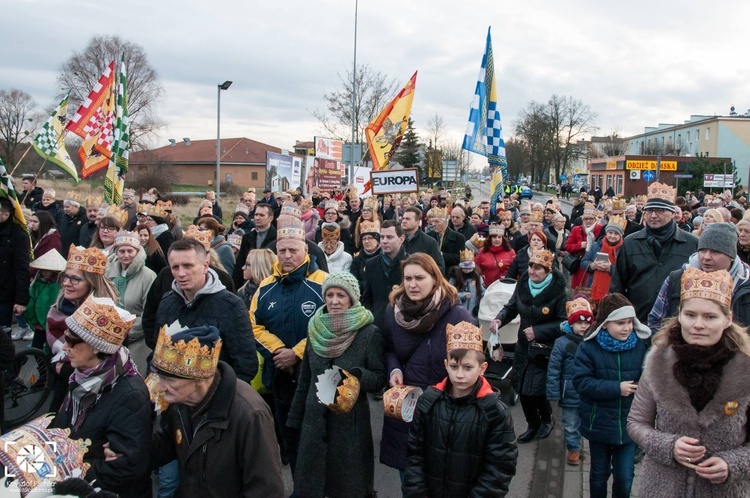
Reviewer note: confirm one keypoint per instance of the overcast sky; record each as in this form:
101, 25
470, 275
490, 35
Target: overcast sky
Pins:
636, 63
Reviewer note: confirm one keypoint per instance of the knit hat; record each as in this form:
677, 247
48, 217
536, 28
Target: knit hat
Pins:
346, 281
617, 224
720, 237
579, 310
188, 353
101, 324
615, 307
661, 196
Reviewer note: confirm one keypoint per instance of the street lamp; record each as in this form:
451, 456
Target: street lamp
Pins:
222, 86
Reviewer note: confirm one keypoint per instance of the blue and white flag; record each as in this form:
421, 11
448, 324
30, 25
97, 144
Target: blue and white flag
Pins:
484, 132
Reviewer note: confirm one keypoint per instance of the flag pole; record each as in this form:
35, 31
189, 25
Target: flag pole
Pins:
31, 146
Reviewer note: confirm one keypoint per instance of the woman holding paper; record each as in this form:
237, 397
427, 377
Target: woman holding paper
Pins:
335, 456
600, 259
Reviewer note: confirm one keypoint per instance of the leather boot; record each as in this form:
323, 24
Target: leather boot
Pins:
574, 458
528, 435
545, 429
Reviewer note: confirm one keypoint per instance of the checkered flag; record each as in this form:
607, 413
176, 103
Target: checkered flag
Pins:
50, 141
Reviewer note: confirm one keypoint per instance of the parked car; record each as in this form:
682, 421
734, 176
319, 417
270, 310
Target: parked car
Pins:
526, 192
482, 180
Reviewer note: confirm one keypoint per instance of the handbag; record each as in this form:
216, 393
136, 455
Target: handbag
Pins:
572, 262
539, 352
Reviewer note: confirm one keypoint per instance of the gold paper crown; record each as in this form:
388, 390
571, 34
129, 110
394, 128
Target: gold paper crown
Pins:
165, 205
536, 217
127, 238
641, 198
291, 209
662, 191
189, 360
101, 324
477, 240
496, 229
331, 205
608, 204
466, 255
400, 401
235, 240
440, 213
128, 192
150, 198
618, 221
91, 260
330, 235
372, 203
618, 205
94, 201
204, 237
74, 196
542, 257
118, 214
369, 227
716, 285
353, 194
152, 210
505, 215
242, 208
347, 392
289, 227
463, 335
576, 305
590, 210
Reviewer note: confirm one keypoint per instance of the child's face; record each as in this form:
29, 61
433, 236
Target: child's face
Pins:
48, 275
620, 329
580, 327
464, 374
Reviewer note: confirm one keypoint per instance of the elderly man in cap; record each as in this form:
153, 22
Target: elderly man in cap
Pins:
268, 198
129, 206
717, 250
218, 428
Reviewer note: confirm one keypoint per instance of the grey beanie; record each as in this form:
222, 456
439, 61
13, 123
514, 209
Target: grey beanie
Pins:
721, 237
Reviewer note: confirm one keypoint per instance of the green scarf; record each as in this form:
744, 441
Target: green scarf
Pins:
330, 334
536, 289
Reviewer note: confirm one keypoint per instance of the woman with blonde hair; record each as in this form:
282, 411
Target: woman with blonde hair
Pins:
710, 216
696, 374
369, 214
257, 267
420, 309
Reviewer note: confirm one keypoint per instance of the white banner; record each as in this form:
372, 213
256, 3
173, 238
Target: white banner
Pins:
361, 175
393, 181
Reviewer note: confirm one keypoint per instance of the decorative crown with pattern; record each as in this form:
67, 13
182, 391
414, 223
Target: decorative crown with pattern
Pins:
101, 324
91, 260
590, 210
463, 335
125, 238
496, 229
641, 198
74, 196
289, 227
371, 203
189, 360
440, 213
577, 305
152, 210
542, 257
716, 285
369, 227
235, 240
165, 205
607, 204
148, 198
618, 221
202, 236
330, 232
618, 205
242, 208
128, 192
536, 217
331, 205
291, 209
115, 212
662, 191
94, 201
466, 255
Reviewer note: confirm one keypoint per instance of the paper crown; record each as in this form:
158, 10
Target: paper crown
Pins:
91, 260
148, 198
337, 389
618, 221
331, 205
463, 335
371, 203
235, 240
496, 229
505, 215
578, 307
369, 227
74, 196
156, 396
716, 285
165, 205
190, 360
50, 192
128, 239
353, 195
401, 401
202, 236
289, 227
291, 209
36, 456
117, 213
641, 198
242, 208
536, 217
440, 213
590, 210
94, 201
618, 205
477, 240
101, 324
330, 232
662, 192
542, 257
466, 255
128, 192
151, 210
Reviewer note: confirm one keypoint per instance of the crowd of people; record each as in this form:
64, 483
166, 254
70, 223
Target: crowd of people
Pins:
629, 312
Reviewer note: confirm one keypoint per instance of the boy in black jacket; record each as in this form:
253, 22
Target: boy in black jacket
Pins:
461, 442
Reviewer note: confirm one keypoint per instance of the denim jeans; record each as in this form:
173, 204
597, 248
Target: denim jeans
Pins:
571, 422
169, 479
616, 459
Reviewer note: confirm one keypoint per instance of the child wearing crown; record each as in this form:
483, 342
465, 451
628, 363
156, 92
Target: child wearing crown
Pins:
479, 459
560, 372
467, 280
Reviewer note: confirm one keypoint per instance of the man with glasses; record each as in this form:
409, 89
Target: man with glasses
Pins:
648, 256
14, 265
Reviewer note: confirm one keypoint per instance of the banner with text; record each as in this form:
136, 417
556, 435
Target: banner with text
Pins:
328, 148
651, 165
279, 177
393, 181
327, 173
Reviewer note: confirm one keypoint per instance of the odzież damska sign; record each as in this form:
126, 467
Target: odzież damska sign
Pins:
394, 181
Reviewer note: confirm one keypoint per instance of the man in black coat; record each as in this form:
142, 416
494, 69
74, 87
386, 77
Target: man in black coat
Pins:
450, 242
261, 236
460, 223
15, 251
73, 218
384, 271
31, 193
88, 227
416, 240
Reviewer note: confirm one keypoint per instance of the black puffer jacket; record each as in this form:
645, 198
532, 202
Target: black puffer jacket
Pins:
15, 250
460, 446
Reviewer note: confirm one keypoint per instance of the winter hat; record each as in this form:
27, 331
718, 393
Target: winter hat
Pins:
615, 307
661, 196
346, 281
101, 324
720, 237
579, 310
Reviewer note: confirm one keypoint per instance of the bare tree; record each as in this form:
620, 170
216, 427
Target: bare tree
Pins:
19, 118
517, 155
570, 120
535, 129
610, 145
436, 130
374, 91
81, 72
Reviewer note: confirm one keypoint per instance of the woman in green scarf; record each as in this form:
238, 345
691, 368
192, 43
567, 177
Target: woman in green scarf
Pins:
335, 453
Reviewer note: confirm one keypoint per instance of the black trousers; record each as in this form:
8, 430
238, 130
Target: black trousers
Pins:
536, 409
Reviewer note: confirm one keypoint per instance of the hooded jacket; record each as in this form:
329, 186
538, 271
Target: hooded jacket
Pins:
132, 287
214, 305
560, 369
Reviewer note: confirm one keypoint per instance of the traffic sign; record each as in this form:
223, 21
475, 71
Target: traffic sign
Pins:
648, 175
563, 177
576, 177
683, 175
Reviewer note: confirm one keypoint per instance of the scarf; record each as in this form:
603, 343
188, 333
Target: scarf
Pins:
609, 343
306, 216
418, 317
331, 334
698, 368
659, 237
602, 279
159, 229
85, 387
537, 288
590, 237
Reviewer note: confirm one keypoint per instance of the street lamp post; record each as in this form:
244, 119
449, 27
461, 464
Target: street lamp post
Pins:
354, 98
222, 86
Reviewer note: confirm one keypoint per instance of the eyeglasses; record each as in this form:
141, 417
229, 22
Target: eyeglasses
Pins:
107, 229
72, 340
367, 238
70, 278
654, 210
